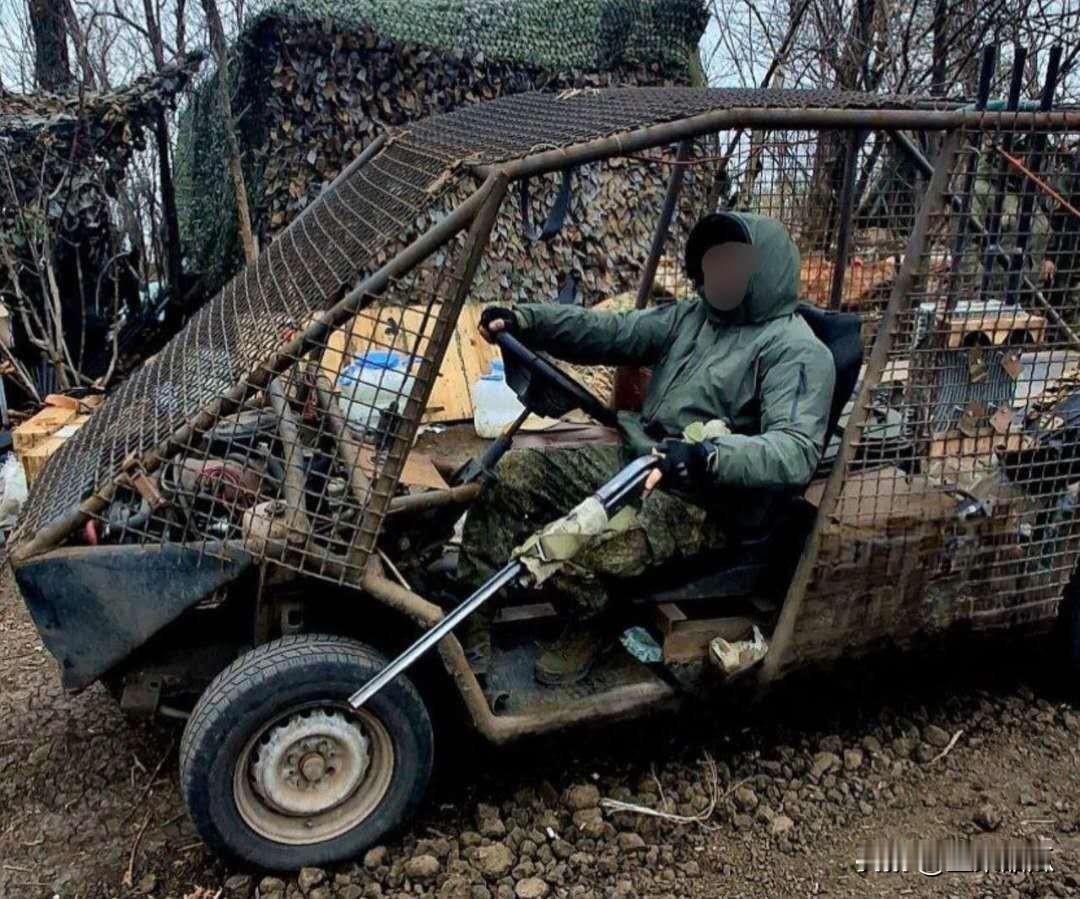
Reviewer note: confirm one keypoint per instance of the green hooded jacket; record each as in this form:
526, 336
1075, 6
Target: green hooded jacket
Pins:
759, 368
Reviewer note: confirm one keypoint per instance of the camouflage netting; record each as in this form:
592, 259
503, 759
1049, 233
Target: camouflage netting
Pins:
316, 82
87, 139
62, 158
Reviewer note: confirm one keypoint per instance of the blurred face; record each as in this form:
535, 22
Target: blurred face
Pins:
726, 270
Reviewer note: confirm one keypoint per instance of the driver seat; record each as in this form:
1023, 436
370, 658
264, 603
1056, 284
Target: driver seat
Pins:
761, 565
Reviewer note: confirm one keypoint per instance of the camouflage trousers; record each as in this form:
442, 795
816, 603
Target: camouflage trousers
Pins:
535, 487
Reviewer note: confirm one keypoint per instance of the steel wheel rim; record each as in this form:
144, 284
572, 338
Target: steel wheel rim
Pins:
269, 801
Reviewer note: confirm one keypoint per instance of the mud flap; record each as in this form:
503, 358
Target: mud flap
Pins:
95, 606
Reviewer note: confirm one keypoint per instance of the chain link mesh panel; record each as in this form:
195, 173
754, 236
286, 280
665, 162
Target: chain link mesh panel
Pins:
958, 503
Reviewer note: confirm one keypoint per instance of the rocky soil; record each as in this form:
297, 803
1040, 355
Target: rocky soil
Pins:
777, 800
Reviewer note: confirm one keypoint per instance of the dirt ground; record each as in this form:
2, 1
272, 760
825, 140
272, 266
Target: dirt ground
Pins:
89, 805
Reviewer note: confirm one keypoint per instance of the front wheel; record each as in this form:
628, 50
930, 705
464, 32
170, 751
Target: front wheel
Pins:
277, 769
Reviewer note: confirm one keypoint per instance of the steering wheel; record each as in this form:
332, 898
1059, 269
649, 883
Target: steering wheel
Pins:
545, 389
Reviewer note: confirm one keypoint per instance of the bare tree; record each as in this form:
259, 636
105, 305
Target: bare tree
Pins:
243, 213
52, 71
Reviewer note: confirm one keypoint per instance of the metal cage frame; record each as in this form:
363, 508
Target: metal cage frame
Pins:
481, 151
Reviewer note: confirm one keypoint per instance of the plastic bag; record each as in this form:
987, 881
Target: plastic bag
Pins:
13, 488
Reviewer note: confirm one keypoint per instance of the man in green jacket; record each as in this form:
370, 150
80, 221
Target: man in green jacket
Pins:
736, 409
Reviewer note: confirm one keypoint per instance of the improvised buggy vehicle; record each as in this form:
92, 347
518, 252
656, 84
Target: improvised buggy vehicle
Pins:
232, 530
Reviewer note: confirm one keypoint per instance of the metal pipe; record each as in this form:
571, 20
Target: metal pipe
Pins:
611, 705
424, 613
628, 377
417, 502
989, 64
663, 224
803, 119
991, 247
364, 157
921, 162
433, 635
843, 236
292, 484
314, 335
347, 450
1035, 161
489, 199
899, 299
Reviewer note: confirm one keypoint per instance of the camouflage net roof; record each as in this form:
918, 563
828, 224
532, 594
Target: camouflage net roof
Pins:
557, 35
347, 232
317, 81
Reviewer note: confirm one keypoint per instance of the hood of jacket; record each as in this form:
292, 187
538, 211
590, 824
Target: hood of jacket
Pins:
773, 290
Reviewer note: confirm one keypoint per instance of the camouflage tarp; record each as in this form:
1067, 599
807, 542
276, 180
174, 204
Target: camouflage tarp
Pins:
316, 81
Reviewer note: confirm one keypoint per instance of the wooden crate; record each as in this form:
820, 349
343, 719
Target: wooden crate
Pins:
42, 426
35, 458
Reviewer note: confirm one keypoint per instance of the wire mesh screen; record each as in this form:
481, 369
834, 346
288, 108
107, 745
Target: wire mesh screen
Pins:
348, 232
958, 502
303, 471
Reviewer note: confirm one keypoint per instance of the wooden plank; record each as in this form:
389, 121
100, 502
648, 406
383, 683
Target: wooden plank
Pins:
668, 615
34, 459
419, 469
526, 614
36, 429
1010, 325
61, 401
690, 639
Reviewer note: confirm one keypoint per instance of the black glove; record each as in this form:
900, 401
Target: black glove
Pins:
684, 466
498, 313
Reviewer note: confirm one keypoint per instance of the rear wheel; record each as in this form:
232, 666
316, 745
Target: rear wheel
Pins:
277, 769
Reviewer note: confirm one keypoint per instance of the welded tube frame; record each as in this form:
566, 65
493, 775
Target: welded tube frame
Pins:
663, 224
490, 198
292, 486
999, 184
886, 120
923, 164
1027, 200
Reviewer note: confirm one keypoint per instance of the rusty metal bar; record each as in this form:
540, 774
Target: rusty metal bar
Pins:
612, 705
986, 73
366, 155
991, 247
347, 450
923, 164
433, 499
932, 205
843, 236
1035, 163
293, 462
802, 119
663, 224
313, 336
627, 387
491, 197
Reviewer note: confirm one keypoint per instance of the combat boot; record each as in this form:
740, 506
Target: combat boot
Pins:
570, 658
